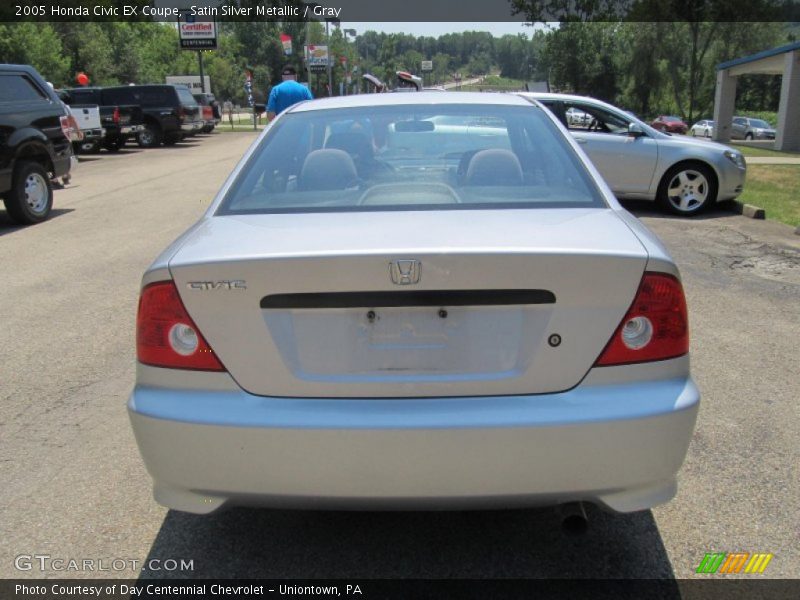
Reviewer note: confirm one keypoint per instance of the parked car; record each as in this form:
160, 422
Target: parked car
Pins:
211, 112
170, 112
316, 341
703, 128
745, 128
669, 124
638, 162
578, 117
121, 122
87, 115
36, 134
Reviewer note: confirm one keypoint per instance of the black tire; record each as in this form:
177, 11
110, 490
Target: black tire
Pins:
150, 137
31, 196
115, 145
748, 136
92, 147
687, 189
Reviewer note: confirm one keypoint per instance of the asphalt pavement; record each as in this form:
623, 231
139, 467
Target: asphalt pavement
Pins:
75, 487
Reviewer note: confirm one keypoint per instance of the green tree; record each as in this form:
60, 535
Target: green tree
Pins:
38, 45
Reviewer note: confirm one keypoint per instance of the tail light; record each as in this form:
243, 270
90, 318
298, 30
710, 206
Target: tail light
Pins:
165, 334
71, 129
116, 115
656, 326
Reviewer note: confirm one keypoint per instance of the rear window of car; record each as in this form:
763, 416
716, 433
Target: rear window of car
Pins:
759, 123
18, 88
145, 96
672, 119
186, 97
412, 157
82, 97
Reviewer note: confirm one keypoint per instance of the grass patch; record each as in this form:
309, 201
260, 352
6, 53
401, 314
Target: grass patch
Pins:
776, 189
755, 151
494, 82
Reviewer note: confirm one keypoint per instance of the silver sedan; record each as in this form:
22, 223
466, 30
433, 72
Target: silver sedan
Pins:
704, 128
413, 301
684, 175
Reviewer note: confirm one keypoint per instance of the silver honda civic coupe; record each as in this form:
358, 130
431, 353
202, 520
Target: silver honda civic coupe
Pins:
413, 301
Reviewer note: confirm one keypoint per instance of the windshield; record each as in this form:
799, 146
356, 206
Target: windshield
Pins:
672, 119
759, 123
410, 158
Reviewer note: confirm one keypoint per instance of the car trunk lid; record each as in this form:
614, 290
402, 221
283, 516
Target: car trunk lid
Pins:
409, 304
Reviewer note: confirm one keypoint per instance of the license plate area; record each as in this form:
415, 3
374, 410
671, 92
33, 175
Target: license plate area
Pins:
421, 343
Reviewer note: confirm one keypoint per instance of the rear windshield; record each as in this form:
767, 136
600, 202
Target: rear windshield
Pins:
159, 95
759, 123
413, 157
186, 96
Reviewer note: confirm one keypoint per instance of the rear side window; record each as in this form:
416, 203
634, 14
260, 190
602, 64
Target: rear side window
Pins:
18, 88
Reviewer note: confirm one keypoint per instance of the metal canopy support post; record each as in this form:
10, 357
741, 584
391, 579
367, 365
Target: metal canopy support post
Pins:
724, 104
788, 135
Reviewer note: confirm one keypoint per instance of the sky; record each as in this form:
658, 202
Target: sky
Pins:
437, 29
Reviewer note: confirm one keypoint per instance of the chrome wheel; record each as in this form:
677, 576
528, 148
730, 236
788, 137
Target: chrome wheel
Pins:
37, 194
688, 191
146, 137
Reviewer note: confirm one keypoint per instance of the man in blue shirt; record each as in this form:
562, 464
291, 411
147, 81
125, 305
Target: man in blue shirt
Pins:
287, 93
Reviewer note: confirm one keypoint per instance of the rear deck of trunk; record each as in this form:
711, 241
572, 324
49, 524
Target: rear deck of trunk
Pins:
506, 301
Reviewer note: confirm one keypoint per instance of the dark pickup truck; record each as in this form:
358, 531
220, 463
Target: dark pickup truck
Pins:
121, 122
36, 135
170, 113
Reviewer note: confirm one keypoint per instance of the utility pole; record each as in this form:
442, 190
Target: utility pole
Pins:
202, 78
330, 66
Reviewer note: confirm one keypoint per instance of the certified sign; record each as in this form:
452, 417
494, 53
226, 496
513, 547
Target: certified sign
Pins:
197, 35
317, 57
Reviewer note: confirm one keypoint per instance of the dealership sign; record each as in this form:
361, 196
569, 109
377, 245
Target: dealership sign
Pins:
197, 35
317, 58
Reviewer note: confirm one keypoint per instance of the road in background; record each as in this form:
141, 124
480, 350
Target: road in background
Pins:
75, 487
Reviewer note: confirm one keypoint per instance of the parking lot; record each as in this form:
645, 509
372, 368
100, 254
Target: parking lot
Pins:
75, 486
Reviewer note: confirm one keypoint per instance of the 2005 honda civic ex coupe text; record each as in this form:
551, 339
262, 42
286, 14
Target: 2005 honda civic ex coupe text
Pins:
413, 301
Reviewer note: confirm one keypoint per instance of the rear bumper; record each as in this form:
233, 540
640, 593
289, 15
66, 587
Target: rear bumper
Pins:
93, 134
130, 130
619, 445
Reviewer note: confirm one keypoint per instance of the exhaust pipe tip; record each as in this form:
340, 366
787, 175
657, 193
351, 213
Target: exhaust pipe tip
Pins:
574, 521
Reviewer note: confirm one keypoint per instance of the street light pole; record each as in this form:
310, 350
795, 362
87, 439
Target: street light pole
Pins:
346, 33
330, 66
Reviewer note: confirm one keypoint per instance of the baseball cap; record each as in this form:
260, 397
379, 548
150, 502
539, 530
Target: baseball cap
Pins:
289, 70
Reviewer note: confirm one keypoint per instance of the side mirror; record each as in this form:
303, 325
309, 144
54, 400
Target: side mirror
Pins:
635, 130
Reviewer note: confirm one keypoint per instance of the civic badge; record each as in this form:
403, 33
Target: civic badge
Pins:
405, 271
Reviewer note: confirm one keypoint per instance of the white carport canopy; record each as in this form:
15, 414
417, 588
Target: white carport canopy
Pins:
784, 61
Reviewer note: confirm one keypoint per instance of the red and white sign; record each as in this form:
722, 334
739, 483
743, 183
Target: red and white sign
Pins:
198, 35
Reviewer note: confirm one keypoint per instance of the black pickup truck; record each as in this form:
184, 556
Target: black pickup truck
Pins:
121, 122
170, 111
36, 135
